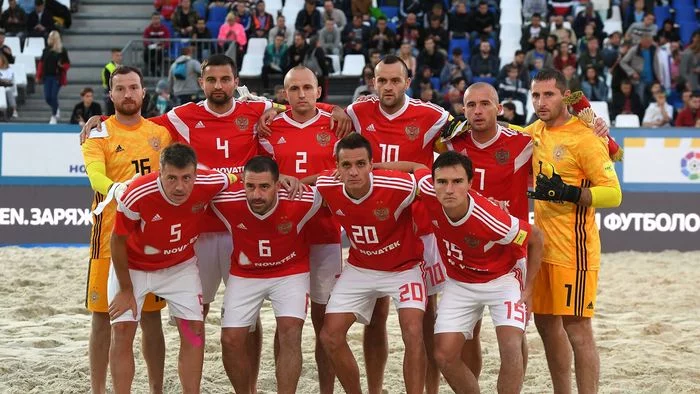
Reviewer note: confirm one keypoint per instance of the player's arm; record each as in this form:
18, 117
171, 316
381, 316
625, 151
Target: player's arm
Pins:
124, 300
535, 246
403, 166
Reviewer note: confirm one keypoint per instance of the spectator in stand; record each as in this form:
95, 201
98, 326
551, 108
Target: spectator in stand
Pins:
411, 32
690, 62
233, 33
660, 113
565, 34
334, 14
7, 80
356, 30
244, 16
203, 49
538, 52
315, 60
153, 50
281, 28
510, 115
511, 87
483, 22
626, 101
611, 49
382, 38
552, 44
428, 94
562, 8
689, 116
485, 64
669, 31
456, 68
635, 13
459, 20
360, 7
519, 63
438, 10
308, 19
166, 8
639, 29
675, 66
452, 101
297, 52
438, 33
374, 57
280, 95
663, 59
592, 56
183, 78
355, 47
431, 57
275, 59
588, 33
184, 19
407, 7
531, 31
161, 102
406, 54
86, 108
329, 38
593, 86
107, 70
532, 7
563, 57
367, 83
40, 21
7, 51
586, 17
640, 66
261, 22
52, 69
572, 81
14, 21
421, 81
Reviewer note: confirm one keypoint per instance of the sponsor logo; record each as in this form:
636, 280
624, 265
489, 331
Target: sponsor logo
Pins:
119, 149
590, 305
371, 127
339, 213
435, 223
242, 122
323, 138
412, 132
199, 125
156, 218
281, 141
690, 166
242, 226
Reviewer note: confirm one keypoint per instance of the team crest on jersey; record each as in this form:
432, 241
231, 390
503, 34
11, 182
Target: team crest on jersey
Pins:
242, 122
154, 142
472, 242
381, 214
94, 296
559, 152
323, 138
502, 156
285, 227
198, 207
412, 132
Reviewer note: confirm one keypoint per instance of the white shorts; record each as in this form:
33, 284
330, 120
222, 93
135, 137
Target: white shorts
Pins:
462, 304
357, 291
179, 285
213, 252
434, 270
326, 264
244, 298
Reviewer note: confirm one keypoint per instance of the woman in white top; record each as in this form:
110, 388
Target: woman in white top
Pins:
7, 80
660, 113
407, 57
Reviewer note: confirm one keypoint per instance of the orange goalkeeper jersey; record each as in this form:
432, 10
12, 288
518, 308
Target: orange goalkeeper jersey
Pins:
125, 151
582, 159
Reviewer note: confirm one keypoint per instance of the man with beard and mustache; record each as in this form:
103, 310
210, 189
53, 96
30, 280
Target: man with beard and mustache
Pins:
125, 145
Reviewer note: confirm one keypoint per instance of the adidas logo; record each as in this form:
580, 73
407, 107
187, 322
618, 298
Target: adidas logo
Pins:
199, 125
119, 149
590, 305
371, 127
435, 223
339, 213
242, 226
156, 218
281, 141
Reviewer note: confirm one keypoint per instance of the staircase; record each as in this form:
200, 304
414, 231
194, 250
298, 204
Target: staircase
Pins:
98, 26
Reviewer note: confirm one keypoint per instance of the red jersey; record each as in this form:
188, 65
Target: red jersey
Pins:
379, 226
303, 149
480, 247
501, 166
407, 135
161, 233
270, 245
223, 142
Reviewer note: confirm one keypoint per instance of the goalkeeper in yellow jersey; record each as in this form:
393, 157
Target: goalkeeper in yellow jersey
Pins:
573, 175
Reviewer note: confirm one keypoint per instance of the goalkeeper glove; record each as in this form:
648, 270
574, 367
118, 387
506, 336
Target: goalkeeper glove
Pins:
554, 189
454, 127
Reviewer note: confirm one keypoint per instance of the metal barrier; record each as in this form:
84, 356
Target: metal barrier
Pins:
155, 59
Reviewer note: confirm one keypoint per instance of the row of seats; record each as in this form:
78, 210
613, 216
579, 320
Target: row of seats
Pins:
6, 4
33, 46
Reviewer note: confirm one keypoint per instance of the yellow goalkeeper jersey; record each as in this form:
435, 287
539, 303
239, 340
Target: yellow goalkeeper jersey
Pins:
125, 151
581, 159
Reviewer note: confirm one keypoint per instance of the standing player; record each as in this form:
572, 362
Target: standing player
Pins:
126, 145
401, 128
270, 261
156, 226
574, 176
302, 143
385, 259
484, 252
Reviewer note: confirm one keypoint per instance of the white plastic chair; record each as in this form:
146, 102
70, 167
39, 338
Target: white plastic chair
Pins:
353, 65
610, 26
519, 107
256, 46
616, 16
601, 110
3, 98
34, 46
627, 120
252, 66
336, 65
13, 43
290, 13
511, 33
28, 62
20, 75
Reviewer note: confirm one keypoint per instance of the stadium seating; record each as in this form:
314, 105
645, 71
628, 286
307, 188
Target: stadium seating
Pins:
627, 120
616, 16
336, 65
14, 44
20, 75
256, 46
611, 26
519, 107
511, 32
214, 27
353, 65
686, 31
390, 12
435, 82
511, 15
661, 13
3, 99
273, 5
28, 62
252, 66
34, 46
530, 108
601, 110
290, 14
217, 14
461, 43
201, 8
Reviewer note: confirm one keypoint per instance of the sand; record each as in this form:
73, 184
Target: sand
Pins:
647, 329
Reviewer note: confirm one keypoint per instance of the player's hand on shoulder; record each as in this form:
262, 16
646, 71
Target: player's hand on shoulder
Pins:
263, 126
292, 185
93, 123
600, 128
122, 302
501, 204
343, 122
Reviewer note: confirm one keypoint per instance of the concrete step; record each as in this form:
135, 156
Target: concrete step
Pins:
85, 74
118, 23
115, 2
89, 56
